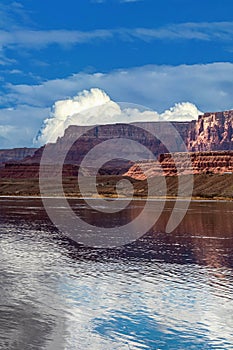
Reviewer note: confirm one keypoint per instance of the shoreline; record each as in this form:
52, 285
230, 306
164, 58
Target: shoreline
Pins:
171, 199
206, 187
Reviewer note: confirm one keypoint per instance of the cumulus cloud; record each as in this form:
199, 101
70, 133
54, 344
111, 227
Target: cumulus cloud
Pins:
208, 86
95, 107
185, 111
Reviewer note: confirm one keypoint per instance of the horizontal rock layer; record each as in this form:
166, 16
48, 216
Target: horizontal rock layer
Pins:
218, 162
15, 154
211, 132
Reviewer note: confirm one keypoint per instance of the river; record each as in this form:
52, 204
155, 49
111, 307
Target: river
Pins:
164, 291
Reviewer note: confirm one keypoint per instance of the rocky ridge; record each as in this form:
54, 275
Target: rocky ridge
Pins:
209, 139
15, 154
211, 132
218, 162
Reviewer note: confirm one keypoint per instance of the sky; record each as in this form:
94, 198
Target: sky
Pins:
155, 53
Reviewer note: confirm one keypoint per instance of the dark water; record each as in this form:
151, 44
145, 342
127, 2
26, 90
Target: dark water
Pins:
165, 291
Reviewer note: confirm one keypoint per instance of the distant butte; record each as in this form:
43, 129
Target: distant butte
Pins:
209, 139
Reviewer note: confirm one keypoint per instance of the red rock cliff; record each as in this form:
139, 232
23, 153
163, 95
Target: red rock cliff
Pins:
215, 162
15, 154
211, 132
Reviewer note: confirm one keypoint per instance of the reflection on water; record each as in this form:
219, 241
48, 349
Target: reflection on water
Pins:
165, 291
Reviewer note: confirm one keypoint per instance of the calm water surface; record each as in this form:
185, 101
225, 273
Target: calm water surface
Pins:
165, 291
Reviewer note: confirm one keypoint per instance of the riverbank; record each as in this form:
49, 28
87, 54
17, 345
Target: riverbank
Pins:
206, 186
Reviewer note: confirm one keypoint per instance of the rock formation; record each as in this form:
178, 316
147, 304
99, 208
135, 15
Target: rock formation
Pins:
15, 154
212, 132
218, 162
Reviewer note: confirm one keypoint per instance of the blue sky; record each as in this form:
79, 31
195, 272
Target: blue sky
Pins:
155, 53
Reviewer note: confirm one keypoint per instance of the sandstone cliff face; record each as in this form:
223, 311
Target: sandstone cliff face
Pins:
216, 162
212, 132
15, 154
98, 134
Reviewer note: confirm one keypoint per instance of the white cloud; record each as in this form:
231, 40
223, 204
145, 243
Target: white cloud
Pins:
94, 107
4, 60
185, 111
18, 125
216, 31
207, 31
13, 14
39, 38
209, 87
13, 35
